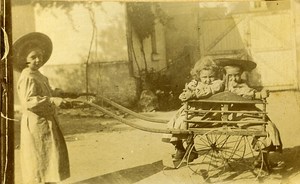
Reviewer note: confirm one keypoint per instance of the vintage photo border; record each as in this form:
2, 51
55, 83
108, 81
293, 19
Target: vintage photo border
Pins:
7, 92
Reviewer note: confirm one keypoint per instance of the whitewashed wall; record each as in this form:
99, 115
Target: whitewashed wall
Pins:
72, 32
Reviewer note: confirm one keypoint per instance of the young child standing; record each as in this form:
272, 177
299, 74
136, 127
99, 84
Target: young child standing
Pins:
44, 154
205, 83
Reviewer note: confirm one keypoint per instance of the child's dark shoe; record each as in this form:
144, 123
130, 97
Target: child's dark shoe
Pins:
192, 156
277, 165
178, 155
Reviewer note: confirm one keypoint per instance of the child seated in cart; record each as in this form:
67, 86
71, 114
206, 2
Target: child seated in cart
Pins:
206, 82
233, 70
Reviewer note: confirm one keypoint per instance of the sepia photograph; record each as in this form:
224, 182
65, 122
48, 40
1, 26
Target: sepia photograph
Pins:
140, 92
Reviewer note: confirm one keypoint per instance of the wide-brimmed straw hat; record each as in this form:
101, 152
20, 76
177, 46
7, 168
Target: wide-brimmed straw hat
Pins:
245, 65
27, 42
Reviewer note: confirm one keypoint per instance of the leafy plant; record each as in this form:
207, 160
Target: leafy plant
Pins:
142, 17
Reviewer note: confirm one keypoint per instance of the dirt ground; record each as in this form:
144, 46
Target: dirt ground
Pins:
102, 150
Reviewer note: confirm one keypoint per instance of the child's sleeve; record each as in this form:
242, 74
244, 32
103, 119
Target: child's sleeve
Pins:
245, 91
188, 91
30, 94
217, 86
204, 91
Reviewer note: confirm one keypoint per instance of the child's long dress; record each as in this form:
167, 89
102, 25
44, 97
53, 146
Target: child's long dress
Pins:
44, 155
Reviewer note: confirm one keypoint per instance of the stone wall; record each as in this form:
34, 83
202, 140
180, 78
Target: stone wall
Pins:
111, 80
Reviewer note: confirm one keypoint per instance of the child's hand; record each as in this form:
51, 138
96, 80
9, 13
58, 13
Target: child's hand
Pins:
56, 101
264, 93
60, 102
232, 85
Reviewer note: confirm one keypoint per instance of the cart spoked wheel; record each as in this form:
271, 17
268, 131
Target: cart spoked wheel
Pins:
214, 151
225, 157
248, 155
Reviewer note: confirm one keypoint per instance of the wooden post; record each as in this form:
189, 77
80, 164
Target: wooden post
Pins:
264, 109
264, 114
225, 115
185, 123
129, 43
6, 101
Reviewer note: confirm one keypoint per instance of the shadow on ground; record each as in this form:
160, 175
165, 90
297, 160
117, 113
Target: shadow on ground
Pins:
292, 162
77, 124
132, 175
127, 176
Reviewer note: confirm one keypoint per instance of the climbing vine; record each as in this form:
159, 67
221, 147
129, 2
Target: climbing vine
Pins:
142, 17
